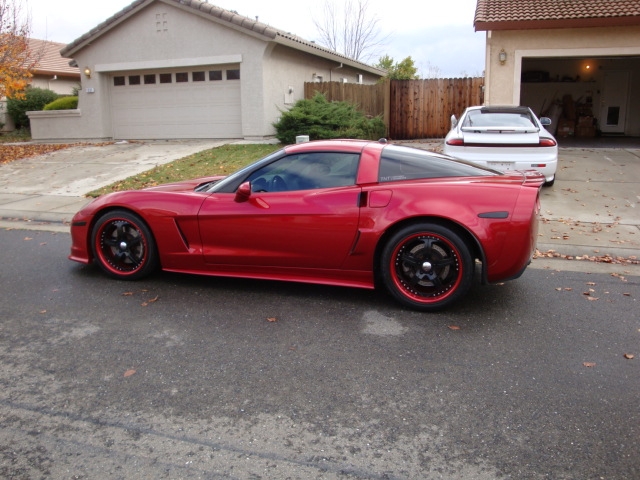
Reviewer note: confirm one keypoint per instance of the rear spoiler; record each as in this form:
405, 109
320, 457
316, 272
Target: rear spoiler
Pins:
504, 129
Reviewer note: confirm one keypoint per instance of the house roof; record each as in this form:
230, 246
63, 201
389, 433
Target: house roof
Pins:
233, 19
532, 14
50, 62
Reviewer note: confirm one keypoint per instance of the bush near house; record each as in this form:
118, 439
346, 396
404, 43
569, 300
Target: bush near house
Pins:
63, 103
34, 100
321, 119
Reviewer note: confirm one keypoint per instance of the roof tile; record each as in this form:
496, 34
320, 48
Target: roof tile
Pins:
491, 14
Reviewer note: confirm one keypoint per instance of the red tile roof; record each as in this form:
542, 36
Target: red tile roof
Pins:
530, 14
50, 62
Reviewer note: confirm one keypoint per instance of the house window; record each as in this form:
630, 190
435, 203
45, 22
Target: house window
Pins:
118, 81
198, 76
233, 74
165, 78
182, 77
134, 79
215, 75
149, 79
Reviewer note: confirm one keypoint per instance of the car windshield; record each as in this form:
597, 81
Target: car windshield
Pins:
483, 118
402, 163
230, 183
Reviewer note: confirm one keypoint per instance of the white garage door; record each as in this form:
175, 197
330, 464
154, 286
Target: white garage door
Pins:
195, 103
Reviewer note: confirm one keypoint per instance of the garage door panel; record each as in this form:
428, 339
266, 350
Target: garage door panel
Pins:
177, 110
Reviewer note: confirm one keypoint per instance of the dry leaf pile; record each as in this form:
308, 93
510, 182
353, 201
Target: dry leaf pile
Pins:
9, 153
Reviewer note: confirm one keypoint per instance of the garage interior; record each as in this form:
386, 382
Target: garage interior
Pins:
588, 99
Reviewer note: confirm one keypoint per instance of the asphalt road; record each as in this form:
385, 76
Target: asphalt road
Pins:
187, 377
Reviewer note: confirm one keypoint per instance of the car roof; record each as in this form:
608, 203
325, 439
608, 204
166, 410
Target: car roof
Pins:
344, 145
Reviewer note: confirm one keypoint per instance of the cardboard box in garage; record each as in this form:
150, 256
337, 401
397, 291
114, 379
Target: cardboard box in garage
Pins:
566, 128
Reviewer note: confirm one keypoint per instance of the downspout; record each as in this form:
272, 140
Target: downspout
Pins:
331, 71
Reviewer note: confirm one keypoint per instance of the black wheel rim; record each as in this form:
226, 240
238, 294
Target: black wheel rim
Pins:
121, 246
426, 268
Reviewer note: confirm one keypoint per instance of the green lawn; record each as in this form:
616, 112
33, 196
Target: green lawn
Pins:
217, 161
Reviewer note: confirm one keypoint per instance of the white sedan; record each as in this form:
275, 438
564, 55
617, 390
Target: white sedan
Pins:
504, 138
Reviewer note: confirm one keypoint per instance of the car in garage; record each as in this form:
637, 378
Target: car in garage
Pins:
348, 213
504, 138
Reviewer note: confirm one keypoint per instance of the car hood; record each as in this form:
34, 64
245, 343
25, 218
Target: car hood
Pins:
186, 185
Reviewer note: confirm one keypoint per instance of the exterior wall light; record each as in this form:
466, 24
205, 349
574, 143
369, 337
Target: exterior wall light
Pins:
87, 72
502, 56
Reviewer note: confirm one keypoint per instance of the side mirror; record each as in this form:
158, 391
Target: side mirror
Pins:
244, 192
454, 122
545, 121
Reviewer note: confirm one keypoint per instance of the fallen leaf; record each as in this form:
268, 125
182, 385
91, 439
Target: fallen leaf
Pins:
127, 294
454, 327
152, 300
28, 238
272, 319
129, 372
589, 364
629, 356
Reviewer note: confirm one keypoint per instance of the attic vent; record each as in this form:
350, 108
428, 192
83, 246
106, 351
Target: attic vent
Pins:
161, 22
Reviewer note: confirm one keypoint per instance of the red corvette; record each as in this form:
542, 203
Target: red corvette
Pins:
348, 213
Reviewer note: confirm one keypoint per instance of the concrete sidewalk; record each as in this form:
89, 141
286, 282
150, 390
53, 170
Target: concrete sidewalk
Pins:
593, 209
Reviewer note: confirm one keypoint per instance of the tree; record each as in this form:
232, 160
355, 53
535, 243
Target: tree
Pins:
16, 60
403, 70
352, 31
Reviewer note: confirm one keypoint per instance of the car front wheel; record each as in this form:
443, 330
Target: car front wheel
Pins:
123, 245
426, 266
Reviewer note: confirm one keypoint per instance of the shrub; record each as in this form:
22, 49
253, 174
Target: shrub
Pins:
34, 100
321, 119
63, 103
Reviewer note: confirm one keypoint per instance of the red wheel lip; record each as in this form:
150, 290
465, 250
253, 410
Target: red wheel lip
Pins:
419, 298
106, 262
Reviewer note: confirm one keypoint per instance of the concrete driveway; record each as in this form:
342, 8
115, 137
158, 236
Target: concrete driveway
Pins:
48, 189
593, 210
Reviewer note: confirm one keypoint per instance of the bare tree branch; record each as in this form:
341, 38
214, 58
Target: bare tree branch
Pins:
351, 31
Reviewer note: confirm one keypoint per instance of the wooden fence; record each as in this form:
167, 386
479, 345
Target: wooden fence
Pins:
423, 108
369, 99
411, 108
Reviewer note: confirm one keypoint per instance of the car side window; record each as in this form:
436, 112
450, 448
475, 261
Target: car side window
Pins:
306, 171
400, 163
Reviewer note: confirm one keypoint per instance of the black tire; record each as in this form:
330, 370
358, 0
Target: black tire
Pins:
426, 266
123, 246
550, 182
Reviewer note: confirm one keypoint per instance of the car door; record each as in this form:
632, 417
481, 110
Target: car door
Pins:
301, 212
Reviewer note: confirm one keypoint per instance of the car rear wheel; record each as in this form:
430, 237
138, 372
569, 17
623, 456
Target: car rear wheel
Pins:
426, 266
123, 246
550, 182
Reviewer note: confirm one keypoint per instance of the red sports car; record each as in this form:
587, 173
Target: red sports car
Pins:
347, 212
